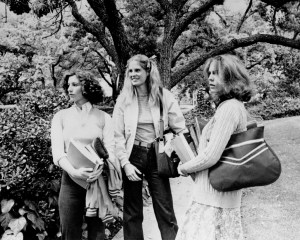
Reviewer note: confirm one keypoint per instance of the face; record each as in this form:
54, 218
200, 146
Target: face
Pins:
137, 74
75, 90
216, 84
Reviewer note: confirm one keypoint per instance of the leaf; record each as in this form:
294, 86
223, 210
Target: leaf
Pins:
6, 205
30, 205
22, 211
37, 221
41, 236
8, 235
5, 218
16, 225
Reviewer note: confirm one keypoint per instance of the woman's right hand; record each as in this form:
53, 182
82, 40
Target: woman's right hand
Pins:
132, 172
82, 173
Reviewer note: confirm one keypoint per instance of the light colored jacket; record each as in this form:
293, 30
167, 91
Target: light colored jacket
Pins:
125, 119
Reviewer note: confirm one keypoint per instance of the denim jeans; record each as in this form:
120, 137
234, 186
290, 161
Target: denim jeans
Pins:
71, 205
145, 160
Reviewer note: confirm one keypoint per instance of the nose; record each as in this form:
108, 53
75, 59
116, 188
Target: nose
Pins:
210, 78
69, 89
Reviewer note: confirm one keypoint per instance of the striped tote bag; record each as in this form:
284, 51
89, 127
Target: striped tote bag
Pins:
247, 161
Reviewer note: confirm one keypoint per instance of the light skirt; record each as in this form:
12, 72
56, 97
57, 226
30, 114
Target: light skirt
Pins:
203, 222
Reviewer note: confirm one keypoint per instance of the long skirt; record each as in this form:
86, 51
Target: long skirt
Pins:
203, 222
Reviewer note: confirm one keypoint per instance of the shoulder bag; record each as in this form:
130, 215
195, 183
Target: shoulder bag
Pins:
247, 161
166, 166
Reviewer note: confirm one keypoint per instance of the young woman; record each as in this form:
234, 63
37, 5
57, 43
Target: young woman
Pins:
82, 122
216, 215
136, 120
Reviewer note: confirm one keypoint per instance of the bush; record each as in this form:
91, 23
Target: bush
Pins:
29, 181
28, 177
271, 108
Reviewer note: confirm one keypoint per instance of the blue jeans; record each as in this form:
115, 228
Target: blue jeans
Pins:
71, 205
145, 160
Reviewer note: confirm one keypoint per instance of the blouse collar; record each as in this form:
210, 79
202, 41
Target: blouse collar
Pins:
86, 107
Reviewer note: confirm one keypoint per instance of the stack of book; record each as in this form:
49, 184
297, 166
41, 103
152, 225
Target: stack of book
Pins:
186, 145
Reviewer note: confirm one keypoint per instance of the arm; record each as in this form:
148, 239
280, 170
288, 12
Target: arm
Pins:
226, 122
119, 130
176, 119
108, 136
121, 153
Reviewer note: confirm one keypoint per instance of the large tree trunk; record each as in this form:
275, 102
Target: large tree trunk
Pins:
166, 49
166, 54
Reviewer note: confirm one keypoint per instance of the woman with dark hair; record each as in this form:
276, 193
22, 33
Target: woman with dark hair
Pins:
215, 215
82, 122
136, 117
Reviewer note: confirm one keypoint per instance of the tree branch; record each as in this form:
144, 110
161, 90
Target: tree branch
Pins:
222, 19
174, 60
258, 62
227, 47
94, 29
274, 21
102, 75
107, 12
189, 17
244, 17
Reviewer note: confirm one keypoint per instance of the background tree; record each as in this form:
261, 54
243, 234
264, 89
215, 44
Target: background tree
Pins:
168, 22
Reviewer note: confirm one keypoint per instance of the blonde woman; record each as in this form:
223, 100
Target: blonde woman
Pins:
215, 215
136, 119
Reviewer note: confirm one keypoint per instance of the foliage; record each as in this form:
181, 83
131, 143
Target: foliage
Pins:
183, 35
272, 108
28, 175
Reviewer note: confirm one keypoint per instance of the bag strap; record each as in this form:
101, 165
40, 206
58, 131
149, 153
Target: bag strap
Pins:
161, 120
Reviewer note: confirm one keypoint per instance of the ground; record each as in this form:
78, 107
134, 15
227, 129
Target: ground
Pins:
268, 213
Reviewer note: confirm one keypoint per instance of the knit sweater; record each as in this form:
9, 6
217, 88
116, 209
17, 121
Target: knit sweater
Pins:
230, 118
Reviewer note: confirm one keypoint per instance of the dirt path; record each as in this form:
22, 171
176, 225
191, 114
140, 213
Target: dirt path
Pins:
268, 213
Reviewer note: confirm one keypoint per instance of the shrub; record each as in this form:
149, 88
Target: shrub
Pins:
29, 182
271, 108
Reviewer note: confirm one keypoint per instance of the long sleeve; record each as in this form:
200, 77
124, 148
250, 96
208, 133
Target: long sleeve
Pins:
176, 119
223, 125
57, 140
108, 136
119, 126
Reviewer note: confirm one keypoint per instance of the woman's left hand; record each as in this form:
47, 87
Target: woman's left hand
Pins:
95, 174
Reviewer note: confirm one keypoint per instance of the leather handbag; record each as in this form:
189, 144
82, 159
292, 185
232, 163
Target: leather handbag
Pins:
247, 161
166, 166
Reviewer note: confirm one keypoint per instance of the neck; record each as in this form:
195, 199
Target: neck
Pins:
142, 90
81, 102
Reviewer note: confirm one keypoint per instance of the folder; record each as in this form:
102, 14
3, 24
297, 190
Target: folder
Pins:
80, 155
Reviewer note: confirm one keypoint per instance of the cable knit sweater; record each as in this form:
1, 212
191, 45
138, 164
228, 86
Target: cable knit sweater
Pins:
230, 118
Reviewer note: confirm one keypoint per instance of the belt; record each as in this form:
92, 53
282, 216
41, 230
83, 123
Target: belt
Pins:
142, 144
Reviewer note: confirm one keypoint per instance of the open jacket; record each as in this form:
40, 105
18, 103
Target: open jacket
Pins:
125, 119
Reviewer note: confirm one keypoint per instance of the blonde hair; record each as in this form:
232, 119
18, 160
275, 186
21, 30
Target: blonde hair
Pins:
237, 83
153, 81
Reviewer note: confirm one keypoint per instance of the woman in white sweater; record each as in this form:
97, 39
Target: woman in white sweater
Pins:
215, 215
82, 122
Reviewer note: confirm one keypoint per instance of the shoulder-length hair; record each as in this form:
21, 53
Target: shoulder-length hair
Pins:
153, 80
237, 83
91, 88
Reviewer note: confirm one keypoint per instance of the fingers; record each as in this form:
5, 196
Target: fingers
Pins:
133, 174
